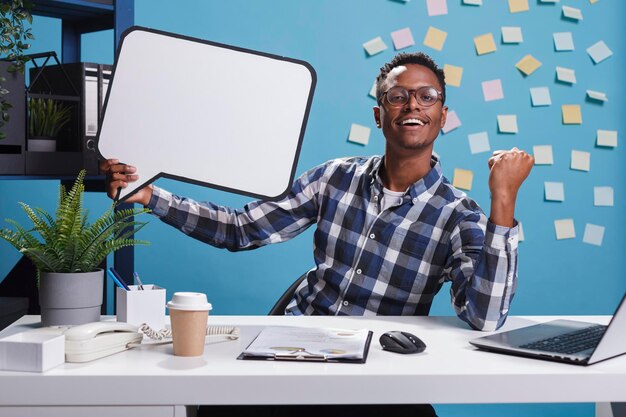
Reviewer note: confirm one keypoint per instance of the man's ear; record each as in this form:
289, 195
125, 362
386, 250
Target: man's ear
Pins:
444, 116
377, 115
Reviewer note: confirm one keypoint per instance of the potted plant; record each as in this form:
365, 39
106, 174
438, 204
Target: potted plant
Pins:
46, 117
67, 251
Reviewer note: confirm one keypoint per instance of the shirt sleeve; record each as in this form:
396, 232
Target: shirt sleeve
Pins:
257, 224
483, 271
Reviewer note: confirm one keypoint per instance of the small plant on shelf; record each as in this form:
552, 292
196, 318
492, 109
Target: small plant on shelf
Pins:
46, 117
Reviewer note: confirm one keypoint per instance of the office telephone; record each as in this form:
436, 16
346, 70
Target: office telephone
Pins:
95, 340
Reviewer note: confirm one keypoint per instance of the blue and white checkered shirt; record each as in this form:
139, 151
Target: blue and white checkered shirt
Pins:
371, 261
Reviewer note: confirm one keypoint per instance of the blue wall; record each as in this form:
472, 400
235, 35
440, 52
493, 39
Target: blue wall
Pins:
555, 277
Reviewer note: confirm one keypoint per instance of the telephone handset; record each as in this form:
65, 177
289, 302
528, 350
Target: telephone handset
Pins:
91, 341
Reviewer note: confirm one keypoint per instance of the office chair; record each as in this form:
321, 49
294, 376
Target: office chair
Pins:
283, 301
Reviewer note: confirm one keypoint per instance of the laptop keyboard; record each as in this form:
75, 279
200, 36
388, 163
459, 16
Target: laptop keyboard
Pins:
572, 342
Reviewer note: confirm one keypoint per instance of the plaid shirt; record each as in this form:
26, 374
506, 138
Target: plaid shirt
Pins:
368, 261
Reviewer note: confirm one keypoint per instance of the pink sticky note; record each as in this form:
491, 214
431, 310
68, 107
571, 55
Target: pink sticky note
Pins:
437, 7
402, 38
492, 90
452, 122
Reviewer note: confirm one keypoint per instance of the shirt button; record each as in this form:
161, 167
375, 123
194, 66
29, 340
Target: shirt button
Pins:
372, 236
358, 271
345, 303
415, 200
375, 198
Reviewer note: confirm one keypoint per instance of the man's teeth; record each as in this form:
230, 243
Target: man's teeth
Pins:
412, 121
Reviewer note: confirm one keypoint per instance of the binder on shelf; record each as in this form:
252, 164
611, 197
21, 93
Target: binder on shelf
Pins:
304, 344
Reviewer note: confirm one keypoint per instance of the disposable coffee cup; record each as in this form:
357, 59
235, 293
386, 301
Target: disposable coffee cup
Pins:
189, 313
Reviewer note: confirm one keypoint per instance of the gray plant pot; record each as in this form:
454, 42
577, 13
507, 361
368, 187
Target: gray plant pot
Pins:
70, 298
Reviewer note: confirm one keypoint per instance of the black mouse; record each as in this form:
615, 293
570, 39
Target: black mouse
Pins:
401, 342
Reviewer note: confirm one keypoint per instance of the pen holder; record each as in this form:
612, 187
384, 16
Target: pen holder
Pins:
142, 306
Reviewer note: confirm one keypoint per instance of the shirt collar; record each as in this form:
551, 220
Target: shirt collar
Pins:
426, 183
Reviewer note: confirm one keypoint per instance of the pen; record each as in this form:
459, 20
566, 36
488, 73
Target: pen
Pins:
120, 279
117, 281
139, 284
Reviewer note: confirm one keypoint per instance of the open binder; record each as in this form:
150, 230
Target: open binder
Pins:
309, 345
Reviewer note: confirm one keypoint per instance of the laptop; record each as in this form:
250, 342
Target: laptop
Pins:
569, 341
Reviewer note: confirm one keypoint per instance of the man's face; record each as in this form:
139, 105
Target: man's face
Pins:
410, 126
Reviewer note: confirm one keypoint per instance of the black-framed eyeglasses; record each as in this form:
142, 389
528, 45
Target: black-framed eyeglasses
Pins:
399, 96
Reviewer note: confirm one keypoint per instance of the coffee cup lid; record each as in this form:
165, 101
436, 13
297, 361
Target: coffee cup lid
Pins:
193, 301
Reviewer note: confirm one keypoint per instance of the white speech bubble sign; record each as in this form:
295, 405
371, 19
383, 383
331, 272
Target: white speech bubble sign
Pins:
206, 113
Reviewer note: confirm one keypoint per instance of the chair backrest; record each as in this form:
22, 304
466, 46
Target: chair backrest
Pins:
283, 301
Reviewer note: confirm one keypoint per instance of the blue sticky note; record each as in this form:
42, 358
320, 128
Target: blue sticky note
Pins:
479, 142
554, 191
599, 52
540, 96
593, 234
563, 41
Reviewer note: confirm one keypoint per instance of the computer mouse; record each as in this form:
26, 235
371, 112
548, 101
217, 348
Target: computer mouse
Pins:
401, 342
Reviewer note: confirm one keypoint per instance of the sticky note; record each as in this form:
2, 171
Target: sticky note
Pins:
402, 38
507, 123
473, 2
479, 142
603, 196
540, 96
372, 92
599, 52
572, 13
511, 34
593, 1
375, 46
549, 1
581, 161
435, 38
516, 6
463, 179
593, 234
563, 41
571, 114
543, 155
484, 44
359, 134
566, 75
452, 122
564, 229
437, 7
606, 138
453, 75
528, 64
597, 95
492, 90
554, 191
520, 232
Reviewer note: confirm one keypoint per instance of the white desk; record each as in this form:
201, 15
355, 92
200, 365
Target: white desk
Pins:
449, 371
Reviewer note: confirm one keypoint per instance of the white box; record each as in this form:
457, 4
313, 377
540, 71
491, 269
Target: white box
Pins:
32, 351
142, 306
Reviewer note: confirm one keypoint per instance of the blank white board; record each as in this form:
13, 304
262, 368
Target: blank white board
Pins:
207, 113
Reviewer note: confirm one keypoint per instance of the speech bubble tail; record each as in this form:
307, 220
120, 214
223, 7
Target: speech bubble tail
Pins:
124, 193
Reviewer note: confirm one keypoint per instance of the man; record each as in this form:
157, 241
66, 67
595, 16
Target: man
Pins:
389, 230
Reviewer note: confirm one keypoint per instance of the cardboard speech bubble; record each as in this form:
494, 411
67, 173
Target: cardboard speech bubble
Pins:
206, 113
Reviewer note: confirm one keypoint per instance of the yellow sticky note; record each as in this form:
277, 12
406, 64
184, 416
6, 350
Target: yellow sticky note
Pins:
435, 38
463, 179
516, 6
528, 64
593, 1
453, 75
572, 114
485, 44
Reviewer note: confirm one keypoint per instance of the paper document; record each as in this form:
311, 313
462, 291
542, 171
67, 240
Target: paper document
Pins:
303, 343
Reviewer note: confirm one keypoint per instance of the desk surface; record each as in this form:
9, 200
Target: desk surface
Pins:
449, 371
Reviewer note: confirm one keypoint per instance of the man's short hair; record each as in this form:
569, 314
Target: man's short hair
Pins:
419, 58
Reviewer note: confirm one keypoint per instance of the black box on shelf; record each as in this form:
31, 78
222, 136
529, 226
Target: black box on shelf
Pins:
12, 146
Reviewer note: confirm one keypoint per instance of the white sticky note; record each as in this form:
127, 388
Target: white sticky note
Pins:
452, 122
473, 2
437, 7
554, 191
566, 75
479, 142
581, 161
507, 123
603, 196
549, 1
599, 52
372, 92
606, 138
572, 13
565, 229
512, 34
374, 46
563, 41
520, 232
359, 134
540, 96
594, 234
543, 155
597, 95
